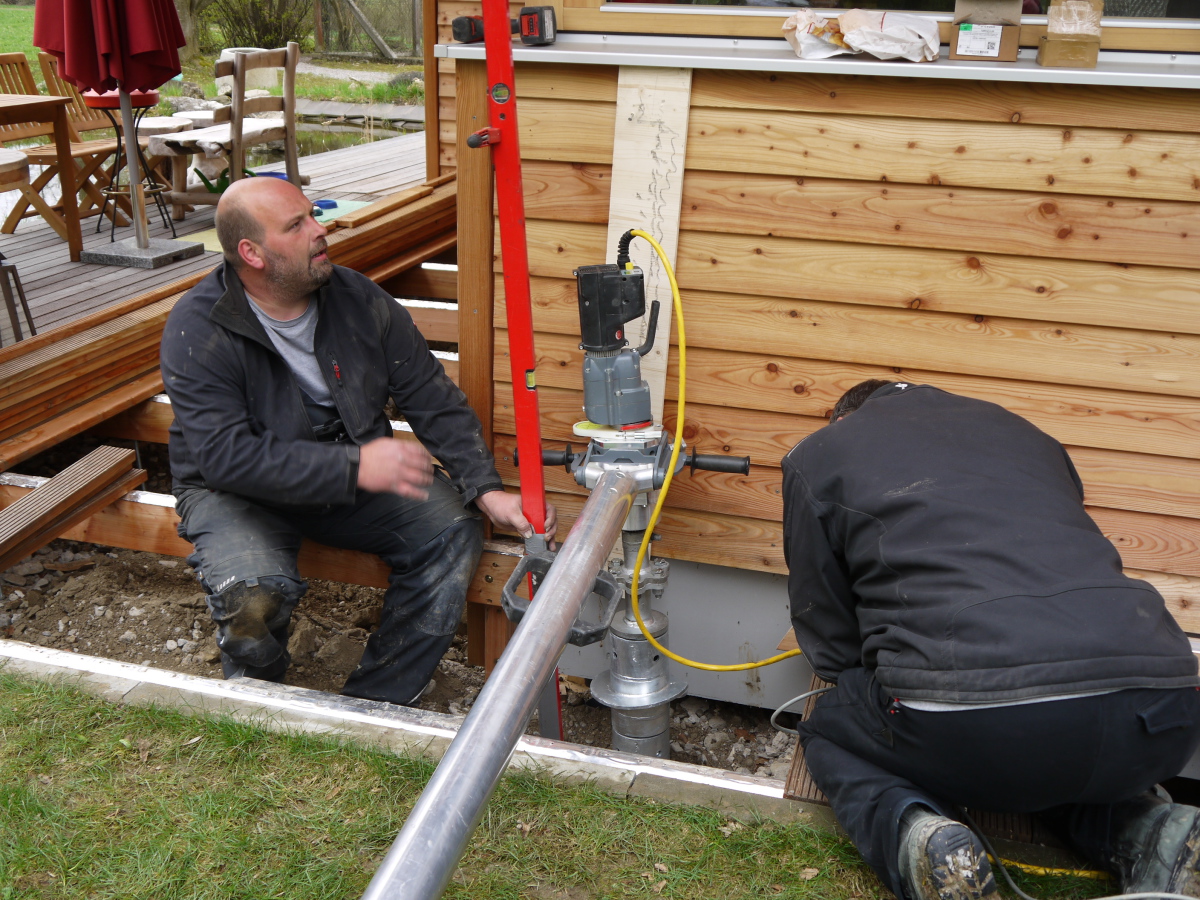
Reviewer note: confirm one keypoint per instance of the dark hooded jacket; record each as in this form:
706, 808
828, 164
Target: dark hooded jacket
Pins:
942, 542
240, 420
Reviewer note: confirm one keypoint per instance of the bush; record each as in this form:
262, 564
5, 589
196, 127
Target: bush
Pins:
263, 23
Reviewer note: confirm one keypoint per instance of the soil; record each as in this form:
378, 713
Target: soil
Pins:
140, 607
144, 608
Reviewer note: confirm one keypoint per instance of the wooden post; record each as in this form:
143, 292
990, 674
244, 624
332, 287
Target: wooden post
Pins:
416, 26
432, 80
318, 26
476, 295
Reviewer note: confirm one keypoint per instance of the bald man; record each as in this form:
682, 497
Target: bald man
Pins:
278, 366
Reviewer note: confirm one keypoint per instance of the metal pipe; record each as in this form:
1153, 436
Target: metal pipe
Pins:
423, 857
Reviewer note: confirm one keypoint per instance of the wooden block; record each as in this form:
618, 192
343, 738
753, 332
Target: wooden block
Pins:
147, 421
649, 143
39, 516
436, 321
1147, 109
497, 631
1107, 162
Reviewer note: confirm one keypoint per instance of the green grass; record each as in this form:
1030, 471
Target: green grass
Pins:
16, 34
103, 801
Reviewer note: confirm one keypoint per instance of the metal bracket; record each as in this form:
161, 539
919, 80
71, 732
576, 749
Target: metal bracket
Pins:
582, 632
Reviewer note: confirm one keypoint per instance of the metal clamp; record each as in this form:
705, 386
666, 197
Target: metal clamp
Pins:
582, 632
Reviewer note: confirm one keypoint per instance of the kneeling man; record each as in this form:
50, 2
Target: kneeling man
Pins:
987, 649
278, 366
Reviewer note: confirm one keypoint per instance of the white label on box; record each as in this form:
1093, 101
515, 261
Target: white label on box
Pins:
979, 40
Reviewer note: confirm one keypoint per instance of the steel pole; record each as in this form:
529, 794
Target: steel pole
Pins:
424, 855
136, 197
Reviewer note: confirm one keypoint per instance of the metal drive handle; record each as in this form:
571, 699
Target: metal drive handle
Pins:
711, 462
582, 632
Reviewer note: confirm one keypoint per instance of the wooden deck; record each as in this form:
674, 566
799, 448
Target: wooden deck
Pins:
60, 290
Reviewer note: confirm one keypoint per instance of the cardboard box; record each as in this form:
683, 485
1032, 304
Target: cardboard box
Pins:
1068, 51
998, 43
987, 12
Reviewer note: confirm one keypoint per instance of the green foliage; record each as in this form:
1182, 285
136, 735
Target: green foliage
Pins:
262, 23
16, 34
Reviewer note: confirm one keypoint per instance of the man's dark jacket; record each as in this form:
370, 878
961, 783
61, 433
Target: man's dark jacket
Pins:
240, 422
942, 541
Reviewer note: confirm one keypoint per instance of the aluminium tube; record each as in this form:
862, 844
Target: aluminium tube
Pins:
424, 855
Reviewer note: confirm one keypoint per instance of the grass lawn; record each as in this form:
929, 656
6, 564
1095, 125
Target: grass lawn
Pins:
103, 801
16, 34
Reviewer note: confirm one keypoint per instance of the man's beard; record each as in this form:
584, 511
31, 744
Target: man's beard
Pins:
295, 281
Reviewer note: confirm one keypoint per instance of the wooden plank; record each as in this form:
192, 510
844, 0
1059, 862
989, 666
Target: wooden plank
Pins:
564, 81
1139, 482
433, 87
386, 205
83, 417
571, 192
1049, 290
615, 21
1107, 162
148, 421
66, 490
1181, 593
423, 282
571, 131
1075, 106
1153, 542
475, 248
649, 143
1158, 233
964, 343
414, 257
1077, 416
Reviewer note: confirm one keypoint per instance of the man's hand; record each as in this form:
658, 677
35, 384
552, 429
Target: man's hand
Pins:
387, 465
505, 512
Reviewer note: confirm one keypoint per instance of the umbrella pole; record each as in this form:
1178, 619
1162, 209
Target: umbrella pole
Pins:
136, 197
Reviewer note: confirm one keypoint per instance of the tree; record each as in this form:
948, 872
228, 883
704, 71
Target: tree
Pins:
189, 18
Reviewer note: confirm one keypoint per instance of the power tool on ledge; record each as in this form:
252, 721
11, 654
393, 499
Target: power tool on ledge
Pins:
620, 432
535, 24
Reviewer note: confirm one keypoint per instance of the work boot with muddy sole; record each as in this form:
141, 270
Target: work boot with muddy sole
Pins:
1158, 848
941, 859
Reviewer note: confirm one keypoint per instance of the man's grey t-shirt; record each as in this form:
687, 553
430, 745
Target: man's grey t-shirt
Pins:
294, 341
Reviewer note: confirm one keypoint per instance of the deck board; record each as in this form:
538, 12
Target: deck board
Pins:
60, 290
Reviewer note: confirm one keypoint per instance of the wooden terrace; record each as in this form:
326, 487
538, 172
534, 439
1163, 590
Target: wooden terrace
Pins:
59, 290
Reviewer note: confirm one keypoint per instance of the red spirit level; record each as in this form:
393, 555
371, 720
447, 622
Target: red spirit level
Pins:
501, 137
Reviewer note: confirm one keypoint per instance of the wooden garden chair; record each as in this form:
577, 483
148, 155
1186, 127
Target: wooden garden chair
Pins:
233, 130
88, 157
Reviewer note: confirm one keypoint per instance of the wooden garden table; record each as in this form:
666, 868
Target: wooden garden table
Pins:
20, 108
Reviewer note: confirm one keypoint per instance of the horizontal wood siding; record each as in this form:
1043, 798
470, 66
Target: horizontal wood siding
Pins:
1034, 246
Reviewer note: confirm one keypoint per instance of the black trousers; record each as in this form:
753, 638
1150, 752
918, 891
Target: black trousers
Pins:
432, 546
1071, 761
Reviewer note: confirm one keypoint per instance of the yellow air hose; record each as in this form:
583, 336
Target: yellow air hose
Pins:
662, 494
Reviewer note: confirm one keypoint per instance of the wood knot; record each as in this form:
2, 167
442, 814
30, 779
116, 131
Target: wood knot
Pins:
799, 389
1067, 135
979, 319
1046, 209
773, 368
833, 95
1014, 118
973, 263
1041, 289
914, 303
1049, 179
960, 149
793, 314
1063, 234
1132, 172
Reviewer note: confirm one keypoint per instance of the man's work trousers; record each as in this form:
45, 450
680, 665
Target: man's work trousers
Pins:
1071, 761
245, 556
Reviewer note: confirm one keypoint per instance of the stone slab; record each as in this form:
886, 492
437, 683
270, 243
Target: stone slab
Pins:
127, 253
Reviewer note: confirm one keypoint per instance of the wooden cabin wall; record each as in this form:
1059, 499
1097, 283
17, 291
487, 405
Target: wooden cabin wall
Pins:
1036, 246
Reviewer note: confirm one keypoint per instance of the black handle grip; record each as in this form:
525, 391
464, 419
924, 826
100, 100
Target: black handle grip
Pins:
710, 462
564, 457
582, 632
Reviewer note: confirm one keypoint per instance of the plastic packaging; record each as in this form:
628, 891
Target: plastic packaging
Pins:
885, 35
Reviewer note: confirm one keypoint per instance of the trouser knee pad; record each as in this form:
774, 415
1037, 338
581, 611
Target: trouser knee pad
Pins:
252, 618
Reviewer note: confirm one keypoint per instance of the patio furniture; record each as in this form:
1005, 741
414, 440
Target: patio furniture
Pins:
235, 130
86, 158
14, 176
141, 101
10, 287
16, 112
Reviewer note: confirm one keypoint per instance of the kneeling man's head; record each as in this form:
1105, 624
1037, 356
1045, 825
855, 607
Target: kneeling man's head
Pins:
856, 397
270, 238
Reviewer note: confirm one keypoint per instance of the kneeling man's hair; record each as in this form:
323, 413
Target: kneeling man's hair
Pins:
234, 223
856, 397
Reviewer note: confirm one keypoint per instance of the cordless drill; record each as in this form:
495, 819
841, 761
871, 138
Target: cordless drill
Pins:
536, 25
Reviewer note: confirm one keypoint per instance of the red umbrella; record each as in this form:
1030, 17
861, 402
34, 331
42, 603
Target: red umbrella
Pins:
106, 44
128, 45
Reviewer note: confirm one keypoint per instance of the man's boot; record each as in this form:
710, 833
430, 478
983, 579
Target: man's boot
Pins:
1157, 846
941, 859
